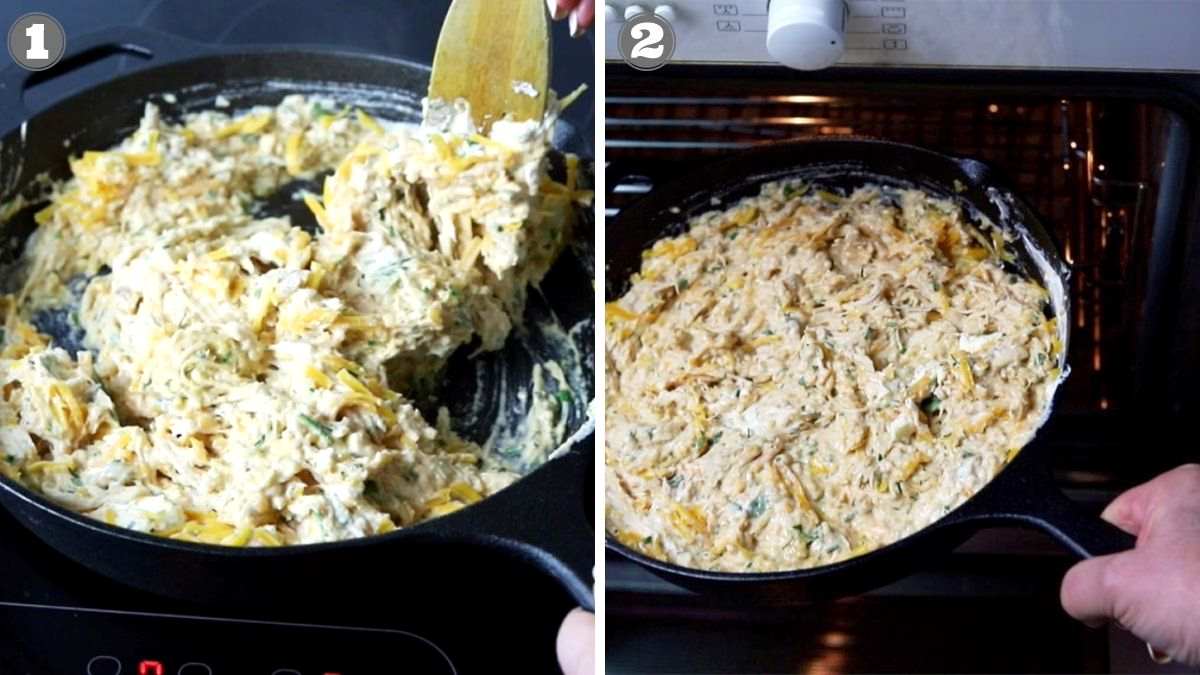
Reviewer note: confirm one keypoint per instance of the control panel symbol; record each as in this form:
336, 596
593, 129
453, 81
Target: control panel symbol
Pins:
895, 44
727, 26
725, 9
286, 671
104, 665
195, 668
892, 12
895, 28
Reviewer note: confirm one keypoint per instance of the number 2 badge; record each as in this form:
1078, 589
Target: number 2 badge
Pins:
646, 42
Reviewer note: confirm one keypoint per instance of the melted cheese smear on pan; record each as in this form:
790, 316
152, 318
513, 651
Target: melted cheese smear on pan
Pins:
807, 377
241, 377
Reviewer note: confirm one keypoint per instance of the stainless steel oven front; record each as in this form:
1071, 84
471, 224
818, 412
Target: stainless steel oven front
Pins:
1092, 109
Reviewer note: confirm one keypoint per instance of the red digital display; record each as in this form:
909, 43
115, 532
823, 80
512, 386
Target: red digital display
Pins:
150, 668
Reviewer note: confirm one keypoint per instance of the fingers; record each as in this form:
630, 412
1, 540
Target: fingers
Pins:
560, 8
582, 17
1088, 592
577, 643
1132, 509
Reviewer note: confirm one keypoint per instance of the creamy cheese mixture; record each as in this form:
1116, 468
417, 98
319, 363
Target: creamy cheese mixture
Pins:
243, 379
806, 377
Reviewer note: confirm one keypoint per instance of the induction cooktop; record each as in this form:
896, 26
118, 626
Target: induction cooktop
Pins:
489, 613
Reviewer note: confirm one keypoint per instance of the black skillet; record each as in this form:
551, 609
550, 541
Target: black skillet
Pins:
543, 521
1022, 494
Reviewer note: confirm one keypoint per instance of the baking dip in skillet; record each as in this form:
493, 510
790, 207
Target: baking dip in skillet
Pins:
808, 376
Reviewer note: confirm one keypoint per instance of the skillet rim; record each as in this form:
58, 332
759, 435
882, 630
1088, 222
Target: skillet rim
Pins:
983, 176
450, 526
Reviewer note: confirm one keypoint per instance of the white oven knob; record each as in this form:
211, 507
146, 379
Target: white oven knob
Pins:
806, 34
665, 11
610, 13
633, 10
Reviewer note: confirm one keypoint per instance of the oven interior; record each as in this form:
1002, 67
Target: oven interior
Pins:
1110, 171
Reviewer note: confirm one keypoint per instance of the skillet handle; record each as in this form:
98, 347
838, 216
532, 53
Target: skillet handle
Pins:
541, 522
1025, 494
148, 45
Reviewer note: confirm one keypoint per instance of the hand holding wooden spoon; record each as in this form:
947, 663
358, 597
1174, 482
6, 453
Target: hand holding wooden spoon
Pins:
580, 14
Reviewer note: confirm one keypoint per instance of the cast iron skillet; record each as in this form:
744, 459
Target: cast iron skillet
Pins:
544, 520
1022, 494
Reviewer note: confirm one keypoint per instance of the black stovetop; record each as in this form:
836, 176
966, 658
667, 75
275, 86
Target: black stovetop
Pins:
57, 617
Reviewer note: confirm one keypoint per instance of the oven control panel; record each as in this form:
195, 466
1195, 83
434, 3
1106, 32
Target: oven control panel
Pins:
809, 34
99, 642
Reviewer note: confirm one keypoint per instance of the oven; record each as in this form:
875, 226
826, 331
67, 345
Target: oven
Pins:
1091, 110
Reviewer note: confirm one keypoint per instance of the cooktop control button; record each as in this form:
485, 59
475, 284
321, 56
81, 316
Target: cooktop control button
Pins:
195, 668
104, 665
806, 34
633, 10
286, 671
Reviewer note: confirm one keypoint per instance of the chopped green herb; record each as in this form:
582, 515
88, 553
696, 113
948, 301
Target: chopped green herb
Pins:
370, 488
795, 190
564, 396
757, 506
931, 405
682, 285
261, 440
322, 430
675, 480
11, 459
806, 536
647, 540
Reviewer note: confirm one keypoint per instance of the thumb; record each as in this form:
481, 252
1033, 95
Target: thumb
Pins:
577, 643
1132, 509
1090, 589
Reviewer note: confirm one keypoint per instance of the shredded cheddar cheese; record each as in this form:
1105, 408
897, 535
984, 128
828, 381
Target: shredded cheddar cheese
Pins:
806, 376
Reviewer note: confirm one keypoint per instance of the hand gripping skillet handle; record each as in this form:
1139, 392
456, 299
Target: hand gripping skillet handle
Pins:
149, 46
1025, 494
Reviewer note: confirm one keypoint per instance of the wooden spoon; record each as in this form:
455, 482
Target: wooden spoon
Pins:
495, 54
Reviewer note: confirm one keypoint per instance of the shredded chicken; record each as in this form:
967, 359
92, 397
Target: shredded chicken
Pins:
806, 377
243, 379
